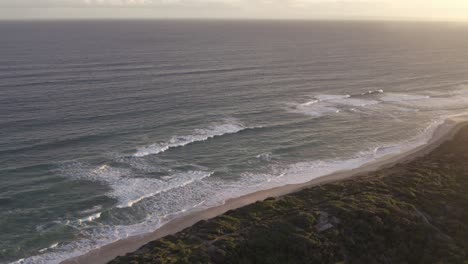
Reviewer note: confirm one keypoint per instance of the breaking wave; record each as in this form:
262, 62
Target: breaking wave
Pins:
326, 104
197, 136
127, 189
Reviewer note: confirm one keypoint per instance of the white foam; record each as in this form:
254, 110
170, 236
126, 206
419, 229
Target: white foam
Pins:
90, 218
130, 190
48, 248
181, 180
332, 104
401, 102
461, 90
372, 92
327, 104
398, 97
310, 103
264, 156
437, 101
330, 97
316, 110
356, 102
197, 136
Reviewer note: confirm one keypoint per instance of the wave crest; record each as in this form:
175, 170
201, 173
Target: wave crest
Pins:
197, 136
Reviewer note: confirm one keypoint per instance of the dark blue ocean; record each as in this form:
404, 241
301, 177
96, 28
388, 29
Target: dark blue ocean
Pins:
111, 129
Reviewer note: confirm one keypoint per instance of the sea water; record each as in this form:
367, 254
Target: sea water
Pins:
111, 129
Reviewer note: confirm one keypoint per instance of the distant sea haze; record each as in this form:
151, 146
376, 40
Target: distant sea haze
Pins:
112, 129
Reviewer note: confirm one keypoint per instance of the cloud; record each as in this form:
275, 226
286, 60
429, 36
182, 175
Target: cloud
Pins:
107, 3
117, 2
168, 3
40, 3
236, 8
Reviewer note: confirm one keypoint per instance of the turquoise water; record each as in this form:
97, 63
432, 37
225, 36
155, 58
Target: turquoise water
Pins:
111, 129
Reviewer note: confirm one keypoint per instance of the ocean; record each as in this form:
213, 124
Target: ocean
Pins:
110, 129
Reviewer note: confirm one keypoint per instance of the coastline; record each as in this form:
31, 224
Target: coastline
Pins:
108, 252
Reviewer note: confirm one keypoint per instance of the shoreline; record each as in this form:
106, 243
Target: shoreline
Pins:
442, 133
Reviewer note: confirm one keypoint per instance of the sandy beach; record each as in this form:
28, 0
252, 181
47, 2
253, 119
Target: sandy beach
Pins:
105, 254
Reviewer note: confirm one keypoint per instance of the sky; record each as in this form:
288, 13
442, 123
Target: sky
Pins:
236, 9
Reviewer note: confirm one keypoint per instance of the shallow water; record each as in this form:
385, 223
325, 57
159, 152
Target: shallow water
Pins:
110, 129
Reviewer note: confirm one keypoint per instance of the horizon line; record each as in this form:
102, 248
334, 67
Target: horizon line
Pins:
240, 19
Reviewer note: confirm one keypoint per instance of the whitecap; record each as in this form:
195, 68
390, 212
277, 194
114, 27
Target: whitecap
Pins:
90, 218
197, 136
310, 103
373, 92
48, 248
264, 156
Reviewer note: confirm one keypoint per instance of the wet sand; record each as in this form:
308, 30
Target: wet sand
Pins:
106, 253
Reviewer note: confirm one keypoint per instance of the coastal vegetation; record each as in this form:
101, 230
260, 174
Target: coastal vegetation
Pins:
412, 212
